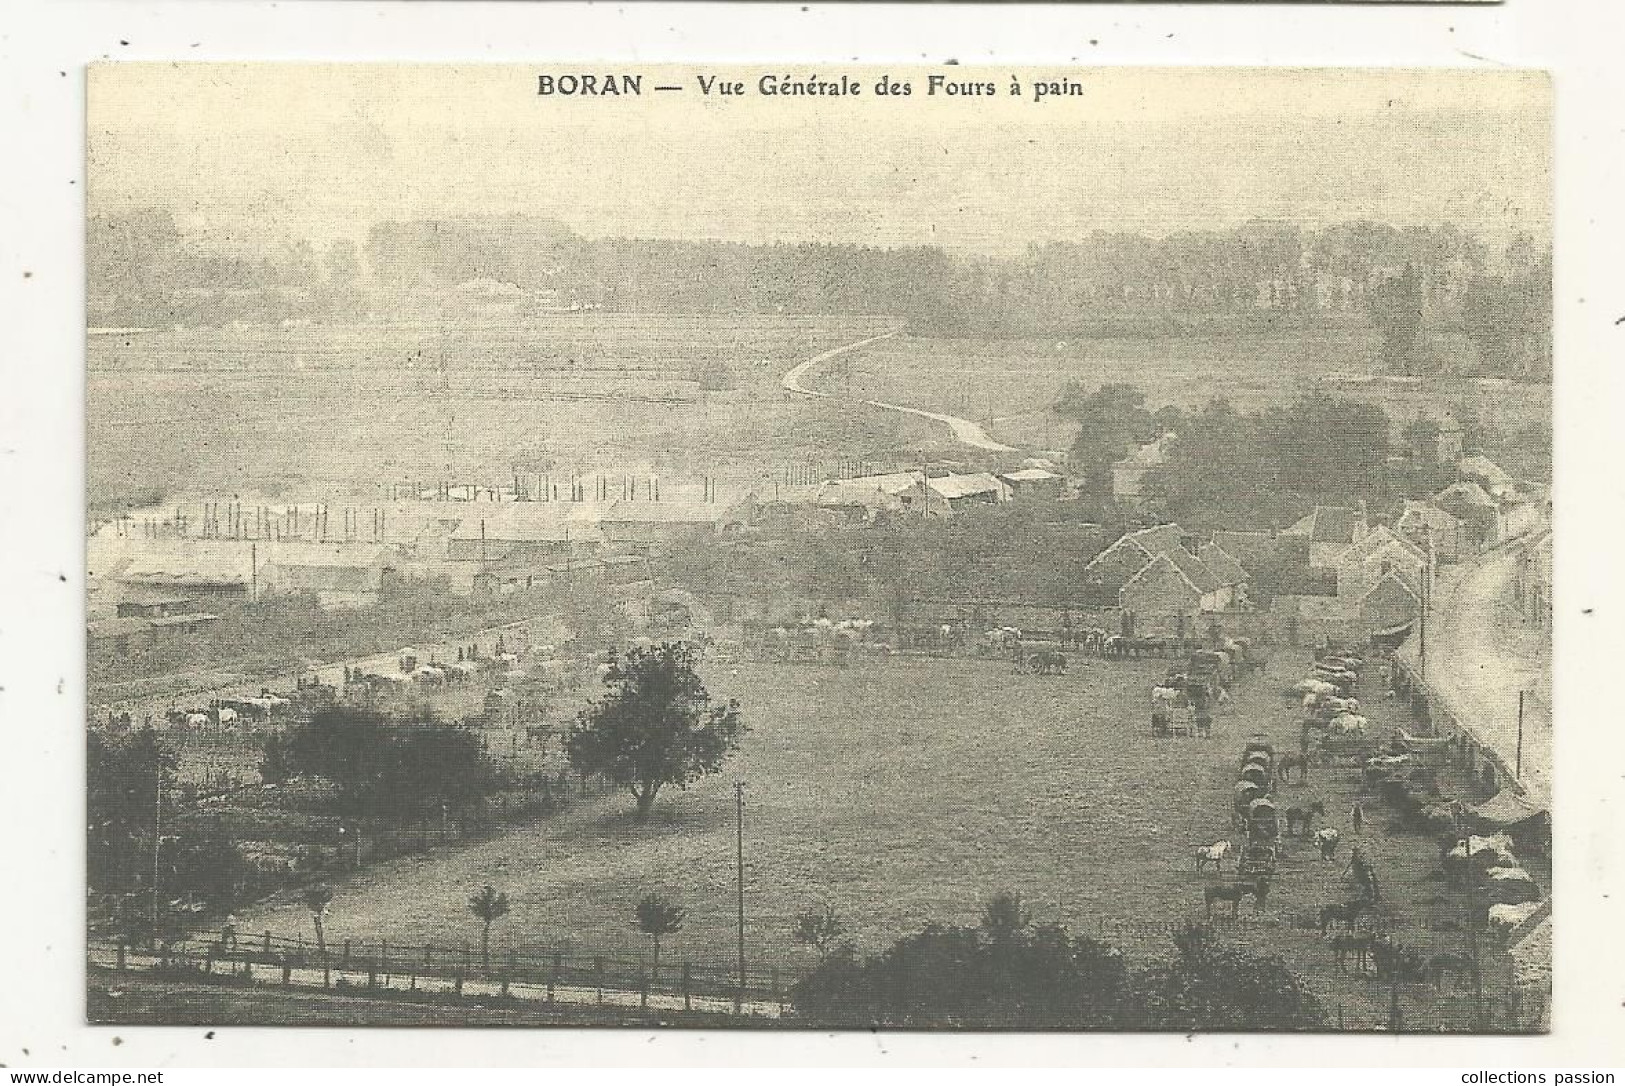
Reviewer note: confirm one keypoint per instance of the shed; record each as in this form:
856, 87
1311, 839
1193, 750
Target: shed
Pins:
958, 492
1034, 482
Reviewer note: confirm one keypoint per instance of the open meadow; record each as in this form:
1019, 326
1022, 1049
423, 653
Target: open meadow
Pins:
1010, 384
911, 791
340, 408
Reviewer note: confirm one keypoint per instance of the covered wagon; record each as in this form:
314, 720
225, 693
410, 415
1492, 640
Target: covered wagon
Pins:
1263, 821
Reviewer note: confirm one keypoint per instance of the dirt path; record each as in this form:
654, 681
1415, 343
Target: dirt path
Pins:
964, 431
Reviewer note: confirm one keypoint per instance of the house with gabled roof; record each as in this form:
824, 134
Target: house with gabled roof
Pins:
1381, 553
1389, 603
1111, 569
1330, 530
1161, 599
1151, 575
1425, 524
1473, 506
1128, 474
1231, 575
1487, 473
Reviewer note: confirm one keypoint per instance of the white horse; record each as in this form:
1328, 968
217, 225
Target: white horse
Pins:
1212, 854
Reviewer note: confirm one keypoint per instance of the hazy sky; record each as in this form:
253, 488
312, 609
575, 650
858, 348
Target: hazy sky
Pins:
266, 151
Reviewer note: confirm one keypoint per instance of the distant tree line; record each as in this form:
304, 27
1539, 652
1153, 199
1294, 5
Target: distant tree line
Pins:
1402, 281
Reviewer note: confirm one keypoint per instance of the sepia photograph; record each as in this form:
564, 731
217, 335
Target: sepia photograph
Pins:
926, 548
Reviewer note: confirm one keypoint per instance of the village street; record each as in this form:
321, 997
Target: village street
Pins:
1480, 656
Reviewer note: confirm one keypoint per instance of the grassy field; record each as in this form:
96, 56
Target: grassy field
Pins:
1011, 383
341, 409
911, 792
269, 409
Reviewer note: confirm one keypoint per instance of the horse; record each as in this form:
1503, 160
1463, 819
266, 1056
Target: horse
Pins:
1458, 966
1344, 912
1212, 854
1304, 816
1234, 892
1289, 762
1365, 875
1359, 945
1326, 840
1047, 662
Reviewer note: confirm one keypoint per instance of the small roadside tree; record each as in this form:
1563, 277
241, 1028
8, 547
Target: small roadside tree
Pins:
658, 917
489, 905
819, 929
317, 897
275, 764
655, 727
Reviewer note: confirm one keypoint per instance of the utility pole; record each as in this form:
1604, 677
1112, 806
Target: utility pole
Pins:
157, 843
1427, 602
1518, 771
739, 852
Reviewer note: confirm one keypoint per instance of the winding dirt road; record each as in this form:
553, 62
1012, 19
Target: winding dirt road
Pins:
964, 431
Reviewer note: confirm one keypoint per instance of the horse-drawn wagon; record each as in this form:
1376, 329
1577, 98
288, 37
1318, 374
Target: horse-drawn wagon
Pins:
1347, 749
1263, 822
1172, 712
1257, 858
1259, 747
1211, 668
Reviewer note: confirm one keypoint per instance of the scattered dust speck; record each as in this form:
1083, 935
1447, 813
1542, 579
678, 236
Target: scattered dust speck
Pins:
28, 275
209, 1036
117, 1041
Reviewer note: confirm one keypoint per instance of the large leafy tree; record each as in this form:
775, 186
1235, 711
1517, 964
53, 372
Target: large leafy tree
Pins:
388, 767
123, 781
655, 726
1006, 973
1110, 420
1210, 985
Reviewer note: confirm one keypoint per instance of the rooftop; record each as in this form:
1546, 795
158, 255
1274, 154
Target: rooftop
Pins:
1029, 475
965, 486
1224, 567
1328, 524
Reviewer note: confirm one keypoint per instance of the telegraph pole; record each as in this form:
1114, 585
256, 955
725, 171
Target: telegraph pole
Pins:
1427, 602
739, 853
1517, 773
157, 843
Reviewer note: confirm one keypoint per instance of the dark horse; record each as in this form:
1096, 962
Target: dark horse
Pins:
1303, 816
1345, 913
1289, 762
1360, 946
1233, 893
